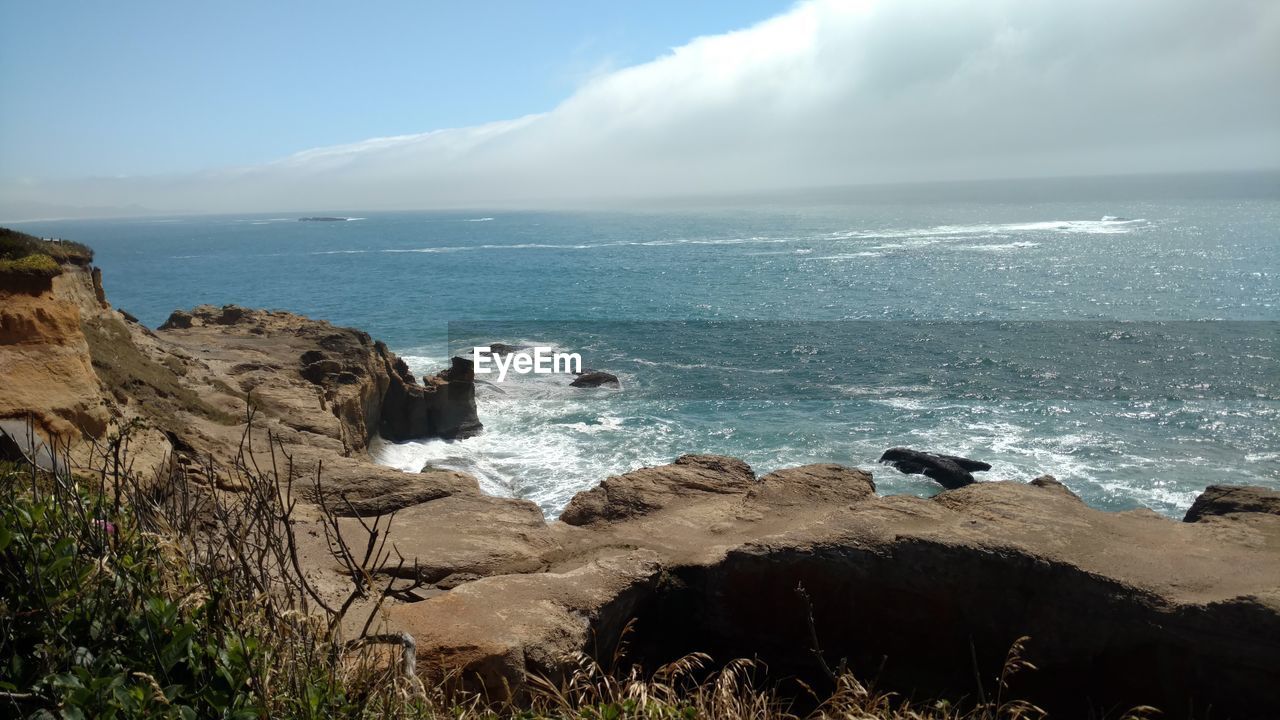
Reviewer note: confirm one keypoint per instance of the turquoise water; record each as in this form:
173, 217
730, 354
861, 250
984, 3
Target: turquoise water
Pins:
1018, 332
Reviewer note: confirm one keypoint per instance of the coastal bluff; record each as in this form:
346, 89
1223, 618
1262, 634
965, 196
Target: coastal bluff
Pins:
702, 554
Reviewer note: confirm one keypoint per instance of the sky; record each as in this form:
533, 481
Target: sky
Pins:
170, 107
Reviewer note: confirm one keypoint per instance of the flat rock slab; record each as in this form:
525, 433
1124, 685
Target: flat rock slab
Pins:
1121, 607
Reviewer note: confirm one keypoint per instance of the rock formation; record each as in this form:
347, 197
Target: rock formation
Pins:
367, 389
950, 471
504, 348
1229, 500
45, 367
595, 378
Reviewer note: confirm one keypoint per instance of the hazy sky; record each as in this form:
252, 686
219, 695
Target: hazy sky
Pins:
183, 107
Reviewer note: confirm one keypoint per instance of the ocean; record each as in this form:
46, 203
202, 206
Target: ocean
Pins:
1120, 335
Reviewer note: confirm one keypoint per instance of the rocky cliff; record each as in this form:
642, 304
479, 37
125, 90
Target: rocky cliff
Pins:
703, 554
81, 371
45, 366
293, 366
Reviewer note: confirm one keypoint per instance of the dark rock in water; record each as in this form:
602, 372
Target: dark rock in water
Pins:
595, 378
948, 474
444, 405
1219, 500
949, 471
967, 464
503, 349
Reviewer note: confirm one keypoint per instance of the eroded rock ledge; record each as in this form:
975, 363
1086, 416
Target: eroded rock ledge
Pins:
1122, 609
369, 390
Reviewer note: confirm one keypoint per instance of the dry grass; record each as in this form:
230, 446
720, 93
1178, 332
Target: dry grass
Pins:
129, 372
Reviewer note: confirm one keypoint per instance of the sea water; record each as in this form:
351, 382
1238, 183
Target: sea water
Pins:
1122, 339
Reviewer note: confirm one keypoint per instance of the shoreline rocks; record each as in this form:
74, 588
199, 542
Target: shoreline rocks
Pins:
1229, 500
1122, 609
365, 385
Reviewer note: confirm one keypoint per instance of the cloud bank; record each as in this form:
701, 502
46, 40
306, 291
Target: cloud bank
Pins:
831, 92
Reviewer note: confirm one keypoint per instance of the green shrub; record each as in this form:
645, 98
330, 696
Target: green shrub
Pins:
98, 620
14, 244
19, 247
32, 265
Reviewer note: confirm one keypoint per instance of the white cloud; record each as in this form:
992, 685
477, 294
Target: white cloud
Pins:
831, 92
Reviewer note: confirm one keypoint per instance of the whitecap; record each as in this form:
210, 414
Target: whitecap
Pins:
1108, 225
1003, 247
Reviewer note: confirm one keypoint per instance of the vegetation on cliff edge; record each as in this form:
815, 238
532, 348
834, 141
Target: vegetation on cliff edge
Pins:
23, 254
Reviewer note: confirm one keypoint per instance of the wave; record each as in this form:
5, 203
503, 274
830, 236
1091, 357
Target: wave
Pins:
1108, 225
557, 246
850, 256
545, 441
1003, 247
267, 221
708, 366
483, 219
879, 390
425, 364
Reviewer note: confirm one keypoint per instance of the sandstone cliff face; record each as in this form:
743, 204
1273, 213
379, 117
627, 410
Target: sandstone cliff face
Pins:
45, 367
